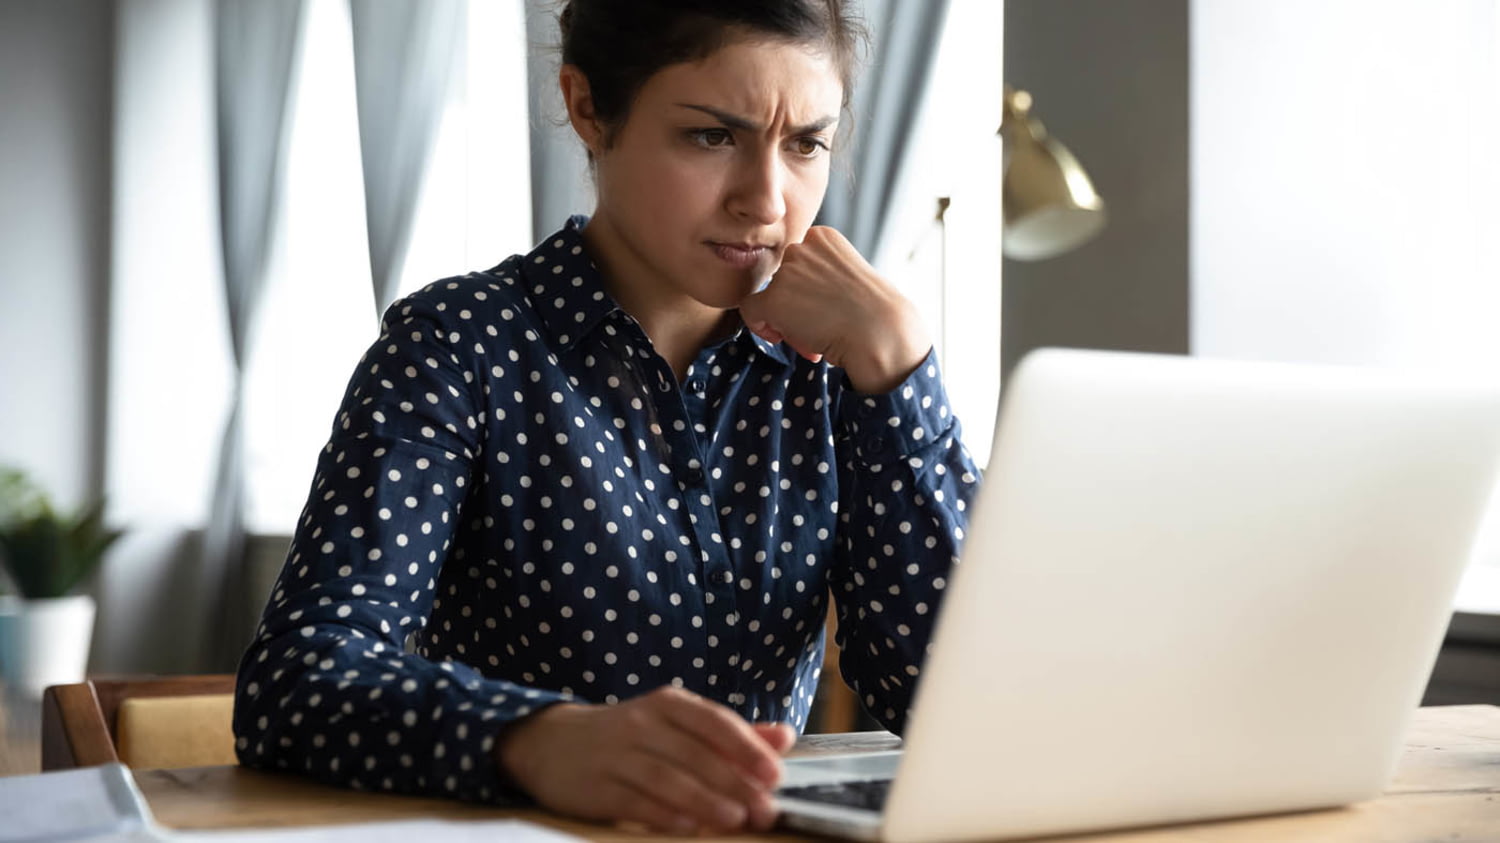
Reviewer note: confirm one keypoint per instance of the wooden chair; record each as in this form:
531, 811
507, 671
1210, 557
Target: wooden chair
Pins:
184, 721
145, 723
835, 708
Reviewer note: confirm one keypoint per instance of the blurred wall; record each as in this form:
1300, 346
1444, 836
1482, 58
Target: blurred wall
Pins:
55, 95
1110, 80
57, 79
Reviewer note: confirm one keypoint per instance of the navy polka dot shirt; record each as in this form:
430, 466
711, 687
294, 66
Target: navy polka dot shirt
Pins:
520, 504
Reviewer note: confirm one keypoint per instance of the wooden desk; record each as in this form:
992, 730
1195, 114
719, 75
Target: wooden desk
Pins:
1447, 787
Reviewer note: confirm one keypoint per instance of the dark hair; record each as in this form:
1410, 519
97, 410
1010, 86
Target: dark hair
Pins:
619, 44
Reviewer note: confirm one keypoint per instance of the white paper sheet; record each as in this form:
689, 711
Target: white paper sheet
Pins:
401, 831
82, 804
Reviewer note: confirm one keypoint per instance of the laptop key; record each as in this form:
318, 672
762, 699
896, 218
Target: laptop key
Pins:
868, 795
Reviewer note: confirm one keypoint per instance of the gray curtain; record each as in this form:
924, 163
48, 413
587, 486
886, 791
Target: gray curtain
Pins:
404, 54
904, 41
560, 183
255, 44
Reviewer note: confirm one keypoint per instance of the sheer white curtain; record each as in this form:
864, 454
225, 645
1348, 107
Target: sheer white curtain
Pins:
404, 54
171, 362
472, 211
255, 42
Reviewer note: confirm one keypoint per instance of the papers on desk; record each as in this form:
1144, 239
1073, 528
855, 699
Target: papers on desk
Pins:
89, 803
403, 831
103, 805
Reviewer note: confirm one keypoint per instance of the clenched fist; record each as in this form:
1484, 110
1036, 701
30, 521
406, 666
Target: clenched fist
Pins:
826, 301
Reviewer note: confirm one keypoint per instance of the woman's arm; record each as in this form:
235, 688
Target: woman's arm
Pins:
905, 479
326, 687
905, 486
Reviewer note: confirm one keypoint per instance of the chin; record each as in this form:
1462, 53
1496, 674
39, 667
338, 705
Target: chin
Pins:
728, 290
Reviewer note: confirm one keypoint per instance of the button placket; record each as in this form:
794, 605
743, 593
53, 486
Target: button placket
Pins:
721, 592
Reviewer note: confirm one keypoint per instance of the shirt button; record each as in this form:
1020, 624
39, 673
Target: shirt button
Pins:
696, 387
695, 475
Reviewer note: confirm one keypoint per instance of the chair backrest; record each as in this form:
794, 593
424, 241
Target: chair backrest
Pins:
144, 723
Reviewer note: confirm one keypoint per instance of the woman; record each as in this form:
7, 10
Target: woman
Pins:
603, 488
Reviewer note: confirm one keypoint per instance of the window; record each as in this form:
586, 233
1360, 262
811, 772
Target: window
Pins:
952, 271
170, 363
1343, 184
319, 313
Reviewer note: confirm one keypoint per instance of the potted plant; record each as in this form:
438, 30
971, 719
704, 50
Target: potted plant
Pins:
44, 639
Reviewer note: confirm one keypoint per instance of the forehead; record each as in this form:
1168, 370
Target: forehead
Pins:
768, 80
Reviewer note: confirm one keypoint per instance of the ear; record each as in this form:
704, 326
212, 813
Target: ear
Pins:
580, 104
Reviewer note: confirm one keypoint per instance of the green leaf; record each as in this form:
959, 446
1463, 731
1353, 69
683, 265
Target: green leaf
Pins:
48, 555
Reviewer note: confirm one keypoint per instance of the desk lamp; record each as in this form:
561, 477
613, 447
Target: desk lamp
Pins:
1050, 205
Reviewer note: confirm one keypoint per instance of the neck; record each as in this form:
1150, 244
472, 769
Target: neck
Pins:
678, 325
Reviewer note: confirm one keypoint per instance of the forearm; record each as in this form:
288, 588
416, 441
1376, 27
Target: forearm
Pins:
365, 715
907, 483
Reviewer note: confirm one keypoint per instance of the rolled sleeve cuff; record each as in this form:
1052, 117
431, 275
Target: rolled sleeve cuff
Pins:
465, 766
910, 418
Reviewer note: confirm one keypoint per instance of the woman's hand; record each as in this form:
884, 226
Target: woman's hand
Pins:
670, 759
827, 301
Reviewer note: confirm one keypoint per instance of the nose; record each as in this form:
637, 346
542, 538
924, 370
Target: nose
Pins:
757, 194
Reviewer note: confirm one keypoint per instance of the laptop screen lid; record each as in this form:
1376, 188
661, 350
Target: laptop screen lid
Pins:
1192, 588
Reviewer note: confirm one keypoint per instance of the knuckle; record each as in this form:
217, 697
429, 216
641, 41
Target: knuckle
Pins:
635, 718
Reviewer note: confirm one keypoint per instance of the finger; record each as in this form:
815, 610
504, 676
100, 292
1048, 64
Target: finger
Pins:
812, 356
765, 331
683, 794
618, 801
725, 731
687, 752
780, 736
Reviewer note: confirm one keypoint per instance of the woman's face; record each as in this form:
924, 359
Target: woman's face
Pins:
720, 165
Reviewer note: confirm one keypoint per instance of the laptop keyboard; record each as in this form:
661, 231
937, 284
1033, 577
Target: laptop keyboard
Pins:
869, 795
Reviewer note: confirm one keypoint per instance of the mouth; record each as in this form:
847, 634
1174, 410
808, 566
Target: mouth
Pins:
741, 255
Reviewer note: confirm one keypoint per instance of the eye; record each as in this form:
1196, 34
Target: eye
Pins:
809, 146
711, 138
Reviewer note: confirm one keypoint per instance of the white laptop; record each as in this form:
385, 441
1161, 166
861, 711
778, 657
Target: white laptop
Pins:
1191, 589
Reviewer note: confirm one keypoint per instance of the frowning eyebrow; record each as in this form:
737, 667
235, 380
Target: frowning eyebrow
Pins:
746, 125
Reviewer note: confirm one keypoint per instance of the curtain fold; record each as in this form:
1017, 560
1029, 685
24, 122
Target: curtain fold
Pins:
886, 104
255, 44
404, 55
560, 183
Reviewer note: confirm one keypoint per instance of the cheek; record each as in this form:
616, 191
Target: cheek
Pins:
804, 197
671, 188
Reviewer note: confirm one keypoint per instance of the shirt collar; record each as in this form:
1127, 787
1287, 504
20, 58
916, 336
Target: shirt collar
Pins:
569, 293
565, 285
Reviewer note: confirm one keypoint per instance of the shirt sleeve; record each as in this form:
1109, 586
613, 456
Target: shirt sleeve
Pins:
906, 483
327, 687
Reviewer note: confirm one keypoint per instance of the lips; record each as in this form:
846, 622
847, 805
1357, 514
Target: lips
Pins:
740, 255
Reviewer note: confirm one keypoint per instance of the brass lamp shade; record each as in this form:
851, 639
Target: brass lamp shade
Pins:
1050, 204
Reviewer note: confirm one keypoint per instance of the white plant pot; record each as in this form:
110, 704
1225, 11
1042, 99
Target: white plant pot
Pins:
45, 642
